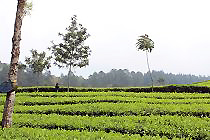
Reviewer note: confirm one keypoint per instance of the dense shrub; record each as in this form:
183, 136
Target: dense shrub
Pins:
178, 89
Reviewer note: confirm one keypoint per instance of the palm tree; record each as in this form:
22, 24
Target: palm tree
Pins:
22, 8
146, 44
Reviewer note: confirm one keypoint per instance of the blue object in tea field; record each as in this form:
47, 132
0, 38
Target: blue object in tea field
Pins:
6, 87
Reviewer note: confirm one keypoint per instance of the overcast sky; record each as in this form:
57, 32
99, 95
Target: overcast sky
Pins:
179, 28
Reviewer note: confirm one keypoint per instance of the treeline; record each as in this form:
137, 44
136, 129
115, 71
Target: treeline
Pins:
114, 78
125, 78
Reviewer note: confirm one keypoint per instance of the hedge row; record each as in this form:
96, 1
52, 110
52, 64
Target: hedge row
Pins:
178, 89
54, 134
168, 126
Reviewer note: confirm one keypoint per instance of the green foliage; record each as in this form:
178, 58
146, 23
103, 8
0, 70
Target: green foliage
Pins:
21, 66
205, 83
28, 7
41, 99
145, 43
117, 109
173, 96
45, 134
109, 115
72, 51
169, 126
38, 61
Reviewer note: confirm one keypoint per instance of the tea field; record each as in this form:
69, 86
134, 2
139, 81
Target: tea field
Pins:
109, 115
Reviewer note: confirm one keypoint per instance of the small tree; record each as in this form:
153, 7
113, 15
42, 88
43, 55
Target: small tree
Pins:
161, 81
38, 62
146, 44
72, 52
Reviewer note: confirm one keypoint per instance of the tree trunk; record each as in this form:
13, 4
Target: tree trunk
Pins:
69, 77
149, 69
10, 99
37, 82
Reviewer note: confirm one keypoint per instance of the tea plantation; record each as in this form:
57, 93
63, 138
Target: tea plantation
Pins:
109, 115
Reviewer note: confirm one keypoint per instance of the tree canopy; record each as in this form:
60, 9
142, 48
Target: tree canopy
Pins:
145, 43
38, 61
72, 51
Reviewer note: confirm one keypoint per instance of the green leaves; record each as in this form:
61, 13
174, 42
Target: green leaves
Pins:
28, 8
38, 61
145, 43
168, 126
96, 115
72, 51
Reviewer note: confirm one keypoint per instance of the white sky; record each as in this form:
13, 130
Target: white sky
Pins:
179, 28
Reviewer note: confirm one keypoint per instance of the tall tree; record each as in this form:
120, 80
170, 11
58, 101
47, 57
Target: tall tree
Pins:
144, 43
22, 10
38, 62
72, 52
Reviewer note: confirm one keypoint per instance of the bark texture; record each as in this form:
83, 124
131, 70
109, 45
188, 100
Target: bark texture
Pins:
10, 99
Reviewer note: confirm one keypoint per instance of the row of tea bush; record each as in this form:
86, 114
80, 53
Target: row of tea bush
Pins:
178, 89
